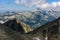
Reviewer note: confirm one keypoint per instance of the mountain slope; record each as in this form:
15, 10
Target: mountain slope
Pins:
33, 19
7, 33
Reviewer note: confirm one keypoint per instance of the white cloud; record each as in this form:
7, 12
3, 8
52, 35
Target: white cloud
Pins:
46, 5
30, 3
17, 1
58, 3
50, 5
38, 3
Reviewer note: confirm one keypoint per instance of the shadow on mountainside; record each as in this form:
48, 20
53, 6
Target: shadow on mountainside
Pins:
7, 33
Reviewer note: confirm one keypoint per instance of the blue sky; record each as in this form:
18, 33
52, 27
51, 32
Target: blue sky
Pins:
49, 1
9, 5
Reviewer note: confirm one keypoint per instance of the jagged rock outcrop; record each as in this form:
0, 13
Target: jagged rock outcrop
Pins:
18, 26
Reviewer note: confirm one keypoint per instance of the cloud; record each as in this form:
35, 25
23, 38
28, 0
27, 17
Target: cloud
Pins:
30, 3
58, 3
17, 1
49, 5
38, 3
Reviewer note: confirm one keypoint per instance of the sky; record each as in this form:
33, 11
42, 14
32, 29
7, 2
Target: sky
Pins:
28, 5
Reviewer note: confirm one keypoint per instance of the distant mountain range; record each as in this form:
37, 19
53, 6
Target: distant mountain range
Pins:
34, 19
